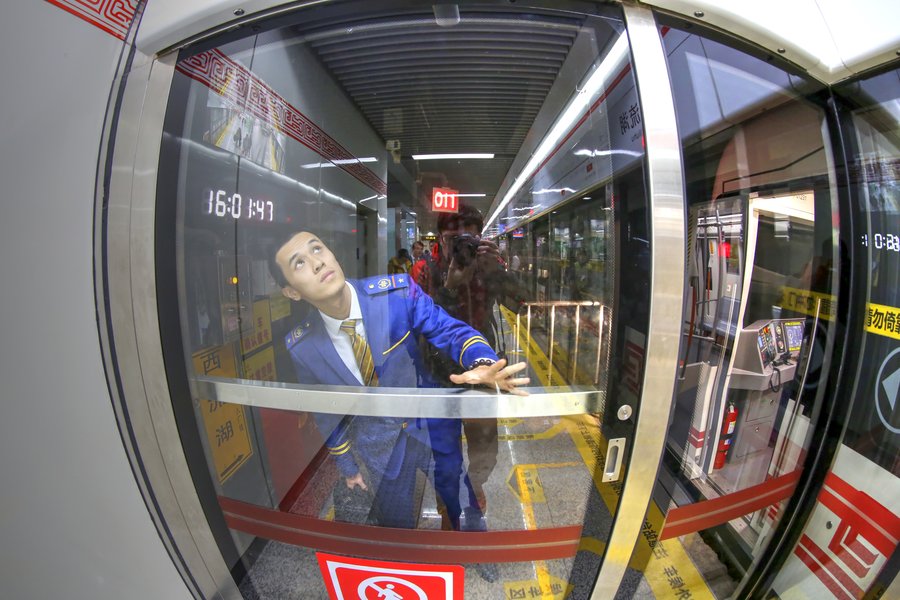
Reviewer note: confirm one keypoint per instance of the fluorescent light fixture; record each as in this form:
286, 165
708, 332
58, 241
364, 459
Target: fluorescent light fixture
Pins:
471, 195
576, 107
554, 191
344, 161
596, 153
451, 156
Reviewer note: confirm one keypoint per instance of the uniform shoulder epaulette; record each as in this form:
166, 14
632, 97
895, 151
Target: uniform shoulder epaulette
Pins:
384, 283
295, 335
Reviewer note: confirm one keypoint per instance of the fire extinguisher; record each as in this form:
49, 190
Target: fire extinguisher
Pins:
727, 435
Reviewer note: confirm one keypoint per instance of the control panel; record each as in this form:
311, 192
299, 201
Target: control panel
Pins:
767, 353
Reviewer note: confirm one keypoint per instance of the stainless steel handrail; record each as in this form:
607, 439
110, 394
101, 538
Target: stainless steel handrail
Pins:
456, 403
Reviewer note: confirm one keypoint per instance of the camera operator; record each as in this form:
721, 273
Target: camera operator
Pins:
466, 278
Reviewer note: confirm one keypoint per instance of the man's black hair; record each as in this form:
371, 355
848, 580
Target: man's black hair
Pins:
282, 236
467, 215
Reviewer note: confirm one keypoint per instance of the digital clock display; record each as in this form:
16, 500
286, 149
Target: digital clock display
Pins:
234, 206
882, 241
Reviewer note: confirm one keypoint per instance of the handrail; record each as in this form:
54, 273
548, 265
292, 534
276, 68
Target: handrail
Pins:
602, 339
453, 403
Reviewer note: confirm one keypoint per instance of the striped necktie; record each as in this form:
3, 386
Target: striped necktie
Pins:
361, 353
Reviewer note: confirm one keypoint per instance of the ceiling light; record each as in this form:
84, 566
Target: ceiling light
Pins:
577, 106
451, 156
446, 15
343, 161
471, 195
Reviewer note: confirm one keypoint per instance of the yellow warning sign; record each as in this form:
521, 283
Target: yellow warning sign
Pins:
261, 334
226, 429
260, 366
883, 320
280, 306
229, 439
806, 301
217, 361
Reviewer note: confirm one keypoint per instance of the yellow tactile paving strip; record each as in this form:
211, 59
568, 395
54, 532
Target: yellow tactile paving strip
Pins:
668, 570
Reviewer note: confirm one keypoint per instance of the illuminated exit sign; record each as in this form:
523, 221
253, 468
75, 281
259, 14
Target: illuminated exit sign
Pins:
444, 200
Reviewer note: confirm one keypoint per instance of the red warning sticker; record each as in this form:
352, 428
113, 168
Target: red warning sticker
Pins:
350, 578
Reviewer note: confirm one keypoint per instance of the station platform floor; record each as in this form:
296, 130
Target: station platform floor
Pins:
546, 475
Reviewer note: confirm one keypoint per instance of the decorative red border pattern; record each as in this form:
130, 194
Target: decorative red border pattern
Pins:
112, 16
239, 86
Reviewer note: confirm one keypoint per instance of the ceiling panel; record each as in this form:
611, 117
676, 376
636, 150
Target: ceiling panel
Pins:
472, 87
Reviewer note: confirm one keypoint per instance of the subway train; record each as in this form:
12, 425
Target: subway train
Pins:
649, 348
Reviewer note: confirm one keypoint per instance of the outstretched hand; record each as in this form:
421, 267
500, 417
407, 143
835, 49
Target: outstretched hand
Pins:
497, 376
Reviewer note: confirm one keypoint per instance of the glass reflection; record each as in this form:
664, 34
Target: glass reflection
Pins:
296, 193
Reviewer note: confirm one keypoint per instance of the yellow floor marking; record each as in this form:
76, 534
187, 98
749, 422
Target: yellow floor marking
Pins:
540, 566
551, 432
581, 378
558, 589
224, 131
544, 371
557, 465
592, 544
527, 475
665, 565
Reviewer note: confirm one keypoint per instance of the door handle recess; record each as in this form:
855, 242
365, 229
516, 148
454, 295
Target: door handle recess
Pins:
615, 450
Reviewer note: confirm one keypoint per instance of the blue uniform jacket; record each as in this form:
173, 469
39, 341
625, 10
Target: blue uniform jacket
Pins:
395, 313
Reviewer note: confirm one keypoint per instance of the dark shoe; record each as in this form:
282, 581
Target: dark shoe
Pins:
473, 519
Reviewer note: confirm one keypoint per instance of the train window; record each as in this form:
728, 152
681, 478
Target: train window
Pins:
858, 500
758, 308
342, 394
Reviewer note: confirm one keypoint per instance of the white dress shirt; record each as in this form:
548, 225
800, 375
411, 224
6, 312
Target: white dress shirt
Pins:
341, 340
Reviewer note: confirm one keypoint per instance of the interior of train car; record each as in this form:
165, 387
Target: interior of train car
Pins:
513, 299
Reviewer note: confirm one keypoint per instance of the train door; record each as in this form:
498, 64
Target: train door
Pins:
847, 546
309, 447
763, 335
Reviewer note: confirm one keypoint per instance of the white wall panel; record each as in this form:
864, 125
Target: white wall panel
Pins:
73, 523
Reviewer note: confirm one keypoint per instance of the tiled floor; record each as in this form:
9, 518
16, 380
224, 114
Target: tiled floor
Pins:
545, 476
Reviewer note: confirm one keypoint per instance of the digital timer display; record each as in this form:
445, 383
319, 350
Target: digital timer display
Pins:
222, 204
882, 241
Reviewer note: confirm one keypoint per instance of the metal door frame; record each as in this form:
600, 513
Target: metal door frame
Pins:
126, 286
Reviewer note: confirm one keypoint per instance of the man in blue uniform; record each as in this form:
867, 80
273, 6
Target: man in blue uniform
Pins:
366, 332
